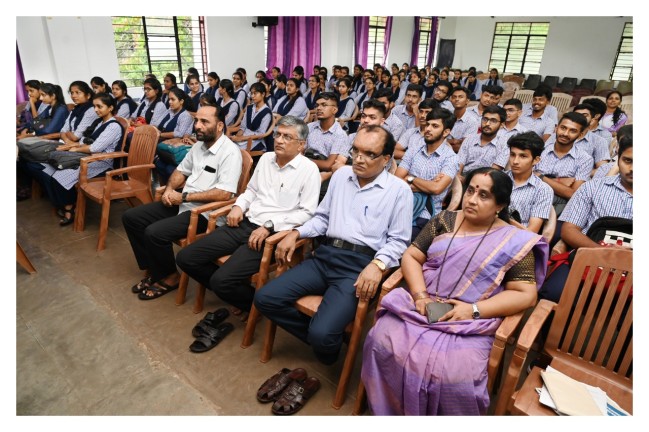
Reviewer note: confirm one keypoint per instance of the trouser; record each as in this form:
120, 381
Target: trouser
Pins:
57, 194
229, 281
331, 273
151, 229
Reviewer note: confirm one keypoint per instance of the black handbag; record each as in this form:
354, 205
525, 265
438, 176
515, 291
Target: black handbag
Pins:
41, 123
33, 150
65, 159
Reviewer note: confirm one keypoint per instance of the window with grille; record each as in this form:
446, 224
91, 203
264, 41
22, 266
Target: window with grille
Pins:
623, 65
518, 47
159, 45
425, 29
376, 40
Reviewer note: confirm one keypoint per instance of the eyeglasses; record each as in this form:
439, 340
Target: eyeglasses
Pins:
324, 105
511, 110
354, 153
493, 121
284, 137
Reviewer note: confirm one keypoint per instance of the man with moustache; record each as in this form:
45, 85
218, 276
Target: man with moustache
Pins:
415, 134
540, 116
392, 123
210, 172
282, 194
484, 149
465, 122
365, 216
407, 112
429, 166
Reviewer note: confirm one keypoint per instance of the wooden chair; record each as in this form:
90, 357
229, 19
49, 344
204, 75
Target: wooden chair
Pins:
103, 190
270, 130
591, 336
511, 86
525, 96
562, 102
196, 212
23, 259
504, 336
309, 305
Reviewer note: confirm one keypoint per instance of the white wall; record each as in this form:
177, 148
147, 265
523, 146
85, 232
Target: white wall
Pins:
582, 47
401, 40
337, 41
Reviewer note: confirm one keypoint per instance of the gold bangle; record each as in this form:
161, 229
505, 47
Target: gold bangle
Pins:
420, 295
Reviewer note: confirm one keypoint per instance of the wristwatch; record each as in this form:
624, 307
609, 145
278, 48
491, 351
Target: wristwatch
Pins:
380, 264
185, 196
410, 179
269, 226
476, 311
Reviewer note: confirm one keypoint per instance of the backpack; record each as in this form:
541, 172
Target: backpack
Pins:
36, 150
65, 159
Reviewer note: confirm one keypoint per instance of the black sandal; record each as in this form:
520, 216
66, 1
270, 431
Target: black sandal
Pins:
212, 338
142, 285
212, 319
65, 221
156, 291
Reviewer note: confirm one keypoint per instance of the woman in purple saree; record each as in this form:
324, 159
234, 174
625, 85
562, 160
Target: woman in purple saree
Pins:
486, 269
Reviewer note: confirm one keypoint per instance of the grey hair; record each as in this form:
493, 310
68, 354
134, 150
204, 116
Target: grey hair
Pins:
299, 125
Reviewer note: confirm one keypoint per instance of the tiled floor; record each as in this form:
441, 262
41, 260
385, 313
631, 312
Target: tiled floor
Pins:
87, 346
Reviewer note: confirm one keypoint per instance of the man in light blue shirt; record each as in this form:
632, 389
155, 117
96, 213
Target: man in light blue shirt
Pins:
366, 217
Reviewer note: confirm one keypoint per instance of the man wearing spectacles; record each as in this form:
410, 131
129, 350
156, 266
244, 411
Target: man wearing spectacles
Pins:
441, 93
484, 149
365, 217
429, 166
282, 194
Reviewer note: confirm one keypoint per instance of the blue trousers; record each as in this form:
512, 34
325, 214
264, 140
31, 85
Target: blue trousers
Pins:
331, 273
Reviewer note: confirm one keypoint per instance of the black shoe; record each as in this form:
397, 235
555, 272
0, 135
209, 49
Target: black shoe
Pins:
65, 220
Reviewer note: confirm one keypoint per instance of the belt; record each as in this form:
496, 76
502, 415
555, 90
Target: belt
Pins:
342, 244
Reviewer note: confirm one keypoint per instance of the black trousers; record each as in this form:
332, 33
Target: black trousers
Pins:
151, 229
230, 281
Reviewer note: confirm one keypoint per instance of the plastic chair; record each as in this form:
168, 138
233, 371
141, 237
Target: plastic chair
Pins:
628, 110
603, 86
591, 336
532, 82
503, 338
551, 80
562, 102
588, 83
567, 85
525, 96
625, 87
514, 78
114, 185
196, 212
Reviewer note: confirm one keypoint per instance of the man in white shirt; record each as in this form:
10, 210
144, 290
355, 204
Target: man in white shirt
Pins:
210, 172
282, 194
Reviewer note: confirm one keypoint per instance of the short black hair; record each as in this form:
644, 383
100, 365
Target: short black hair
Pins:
495, 109
493, 89
624, 143
384, 92
598, 105
515, 102
577, 118
543, 90
462, 89
585, 106
327, 96
415, 87
428, 104
527, 141
447, 117
374, 104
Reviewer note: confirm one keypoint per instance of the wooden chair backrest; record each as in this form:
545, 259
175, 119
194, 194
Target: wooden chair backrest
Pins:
513, 78
593, 321
124, 125
142, 150
246, 172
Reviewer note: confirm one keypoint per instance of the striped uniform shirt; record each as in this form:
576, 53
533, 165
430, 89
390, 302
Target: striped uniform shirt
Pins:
124, 111
107, 142
159, 111
263, 127
531, 199
505, 134
408, 120
604, 169
464, 126
542, 125
299, 110
596, 199
447, 105
575, 164
378, 215
393, 125
410, 136
184, 125
590, 144
233, 111
88, 117
427, 166
332, 141
473, 110
473, 155
603, 133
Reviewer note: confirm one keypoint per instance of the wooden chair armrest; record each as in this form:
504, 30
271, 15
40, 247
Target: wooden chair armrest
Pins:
196, 212
277, 237
508, 327
222, 211
129, 169
102, 156
533, 325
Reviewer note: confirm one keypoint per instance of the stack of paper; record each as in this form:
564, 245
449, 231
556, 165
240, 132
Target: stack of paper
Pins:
570, 397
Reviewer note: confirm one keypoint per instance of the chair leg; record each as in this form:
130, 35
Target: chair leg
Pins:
200, 299
103, 224
23, 260
269, 340
182, 289
37, 191
350, 358
249, 333
80, 212
361, 400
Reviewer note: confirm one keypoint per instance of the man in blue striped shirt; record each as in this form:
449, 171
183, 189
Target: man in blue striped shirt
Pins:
366, 217
605, 197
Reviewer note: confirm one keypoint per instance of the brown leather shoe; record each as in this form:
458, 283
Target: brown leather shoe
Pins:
296, 396
273, 387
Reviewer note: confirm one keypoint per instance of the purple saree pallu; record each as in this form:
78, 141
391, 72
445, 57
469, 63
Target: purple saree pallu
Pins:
414, 368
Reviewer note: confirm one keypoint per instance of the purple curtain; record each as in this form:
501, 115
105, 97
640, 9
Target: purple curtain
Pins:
414, 52
362, 34
294, 41
433, 40
21, 93
386, 42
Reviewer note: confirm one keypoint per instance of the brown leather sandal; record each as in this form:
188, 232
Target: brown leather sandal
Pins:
296, 396
273, 387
